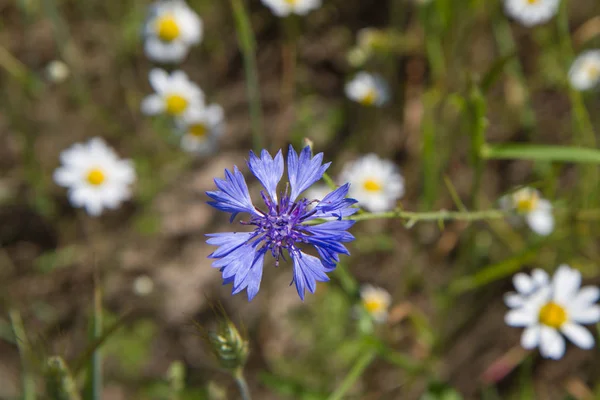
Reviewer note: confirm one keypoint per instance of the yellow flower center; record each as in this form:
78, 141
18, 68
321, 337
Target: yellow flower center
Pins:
198, 130
176, 104
369, 98
533, 1
167, 28
291, 2
374, 305
593, 71
96, 177
526, 202
553, 315
372, 185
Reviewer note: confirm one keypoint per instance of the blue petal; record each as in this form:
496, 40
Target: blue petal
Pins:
335, 204
242, 267
268, 170
304, 171
307, 271
227, 242
233, 195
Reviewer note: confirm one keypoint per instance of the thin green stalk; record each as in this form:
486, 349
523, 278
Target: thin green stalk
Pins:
23, 345
97, 356
240, 380
357, 370
583, 129
506, 46
248, 46
441, 215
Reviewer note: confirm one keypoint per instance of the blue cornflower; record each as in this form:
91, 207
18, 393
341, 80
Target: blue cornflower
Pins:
282, 226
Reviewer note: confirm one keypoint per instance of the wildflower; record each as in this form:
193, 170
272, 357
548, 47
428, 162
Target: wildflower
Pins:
376, 302
526, 285
536, 210
560, 307
175, 94
368, 89
172, 28
57, 71
585, 71
376, 183
201, 126
531, 12
143, 285
95, 176
283, 8
284, 225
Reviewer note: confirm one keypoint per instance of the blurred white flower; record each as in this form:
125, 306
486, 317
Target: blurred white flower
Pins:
368, 89
95, 176
175, 94
585, 70
171, 29
57, 71
525, 286
143, 285
376, 301
201, 127
559, 307
531, 12
374, 182
537, 211
283, 8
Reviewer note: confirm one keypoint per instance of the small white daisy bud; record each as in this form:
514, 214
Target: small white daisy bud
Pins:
585, 71
528, 204
143, 285
376, 301
57, 71
201, 127
175, 94
368, 90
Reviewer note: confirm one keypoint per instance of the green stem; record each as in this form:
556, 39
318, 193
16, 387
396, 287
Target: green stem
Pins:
23, 345
240, 380
441, 215
357, 370
97, 356
248, 46
506, 45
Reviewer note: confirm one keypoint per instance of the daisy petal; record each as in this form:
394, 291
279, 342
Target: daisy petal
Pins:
530, 337
552, 344
577, 334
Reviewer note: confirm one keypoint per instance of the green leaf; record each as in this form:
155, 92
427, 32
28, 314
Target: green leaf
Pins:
510, 151
495, 72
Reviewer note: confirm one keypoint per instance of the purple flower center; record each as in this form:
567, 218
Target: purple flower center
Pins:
281, 227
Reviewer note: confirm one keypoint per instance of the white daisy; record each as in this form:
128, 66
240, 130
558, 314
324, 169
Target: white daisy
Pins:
368, 89
560, 307
531, 12
57, 71
283, 8
171, 29
175, 94
201, 126
525, 286
585, 71
95, 176
376, 301
374, 182
537, 211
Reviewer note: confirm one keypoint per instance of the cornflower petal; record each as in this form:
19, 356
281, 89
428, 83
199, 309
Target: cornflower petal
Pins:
267, 170
233, 195
336, 204
228, 242
307, 271
303, 171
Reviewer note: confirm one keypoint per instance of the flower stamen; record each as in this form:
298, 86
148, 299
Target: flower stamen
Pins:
553, 315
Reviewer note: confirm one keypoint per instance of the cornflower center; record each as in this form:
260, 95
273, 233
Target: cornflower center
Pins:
198, 130
371, 185
167, 28
369, 98
175, 104
526, 202
553, 315
281, 227
95, 177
